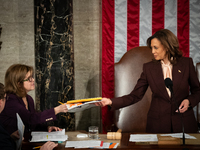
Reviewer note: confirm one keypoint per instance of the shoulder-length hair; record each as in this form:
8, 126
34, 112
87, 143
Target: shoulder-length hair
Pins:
170, 43
14, 79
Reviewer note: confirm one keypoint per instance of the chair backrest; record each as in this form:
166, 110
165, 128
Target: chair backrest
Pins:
127, 71
198, 106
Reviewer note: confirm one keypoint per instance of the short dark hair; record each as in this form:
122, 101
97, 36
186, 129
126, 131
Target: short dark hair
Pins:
170, 43
2, 92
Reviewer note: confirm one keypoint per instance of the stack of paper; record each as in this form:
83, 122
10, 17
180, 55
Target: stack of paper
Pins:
20, 126
49, 136
84, 100
179, 135
143, 138
154, 138
83, 144
81, 104
90, 144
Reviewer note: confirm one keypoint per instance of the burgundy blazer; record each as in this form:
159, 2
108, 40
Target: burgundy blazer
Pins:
162, 117
29, 117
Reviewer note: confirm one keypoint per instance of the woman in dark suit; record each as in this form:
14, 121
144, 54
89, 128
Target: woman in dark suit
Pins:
7, 141
166, 106
18, 82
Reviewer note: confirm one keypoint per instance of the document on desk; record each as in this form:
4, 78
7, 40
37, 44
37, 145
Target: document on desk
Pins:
20, 126
143, 138
107, 145
84, 144
179, 135
91, 144
49, 136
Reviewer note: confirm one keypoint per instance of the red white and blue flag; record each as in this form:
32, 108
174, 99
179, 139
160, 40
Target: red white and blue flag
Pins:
128, 23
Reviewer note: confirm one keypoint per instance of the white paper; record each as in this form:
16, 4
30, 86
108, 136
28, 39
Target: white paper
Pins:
49, 133
179, 135
76, 107
49, 136
106, 145
116, 145
20, 126
83, 144
143, 138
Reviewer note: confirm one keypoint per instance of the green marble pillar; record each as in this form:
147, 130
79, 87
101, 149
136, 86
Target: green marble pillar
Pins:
54, 57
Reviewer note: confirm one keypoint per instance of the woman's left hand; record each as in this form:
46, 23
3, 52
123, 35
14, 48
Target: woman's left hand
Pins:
51, 128
184, 106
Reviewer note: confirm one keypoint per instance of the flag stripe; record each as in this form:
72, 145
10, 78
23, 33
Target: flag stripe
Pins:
171, 15
107, 56
133, 24
157, 15
145, 21
136, 20
107, 47
195, 31
120, 28
183, 26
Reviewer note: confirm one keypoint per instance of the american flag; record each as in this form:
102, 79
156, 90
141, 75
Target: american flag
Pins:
128, 23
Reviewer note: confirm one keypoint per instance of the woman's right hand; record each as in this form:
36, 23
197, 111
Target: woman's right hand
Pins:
104, 102
15, 135
61, 108
48, 146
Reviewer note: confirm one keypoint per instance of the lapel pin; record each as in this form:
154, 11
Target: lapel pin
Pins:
179, 71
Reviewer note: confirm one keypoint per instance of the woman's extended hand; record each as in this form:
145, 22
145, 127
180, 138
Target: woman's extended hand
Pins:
184, 106
104, 102
51, 128
48, 146
15, 135
61, 108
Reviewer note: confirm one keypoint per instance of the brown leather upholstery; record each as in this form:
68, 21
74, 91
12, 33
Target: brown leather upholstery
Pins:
198, 106
127, 72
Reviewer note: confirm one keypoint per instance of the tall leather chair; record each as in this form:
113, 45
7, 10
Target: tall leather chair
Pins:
127, 71
198, 106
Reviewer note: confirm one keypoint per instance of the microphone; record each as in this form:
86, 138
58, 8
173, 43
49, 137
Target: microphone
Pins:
169, 85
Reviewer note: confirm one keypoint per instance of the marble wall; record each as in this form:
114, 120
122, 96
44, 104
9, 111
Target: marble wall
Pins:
87, 58
54, 57
0, 36
17, 21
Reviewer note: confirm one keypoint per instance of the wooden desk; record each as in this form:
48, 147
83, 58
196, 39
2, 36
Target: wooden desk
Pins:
71, 137
189, 144
124, 143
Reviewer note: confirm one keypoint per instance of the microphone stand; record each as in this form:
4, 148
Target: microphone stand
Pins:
172, 95
182, 127
169, 85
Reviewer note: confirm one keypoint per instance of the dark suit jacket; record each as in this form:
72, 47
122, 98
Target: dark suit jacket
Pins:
6, 142
29, 117
162, 117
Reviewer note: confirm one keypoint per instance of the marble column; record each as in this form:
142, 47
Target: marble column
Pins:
54, 57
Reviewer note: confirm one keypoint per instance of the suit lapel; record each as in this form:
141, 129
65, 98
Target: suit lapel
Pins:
177, 75
157, 76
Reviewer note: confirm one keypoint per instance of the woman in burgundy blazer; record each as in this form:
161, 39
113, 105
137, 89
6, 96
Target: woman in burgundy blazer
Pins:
163, 115
18, 82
